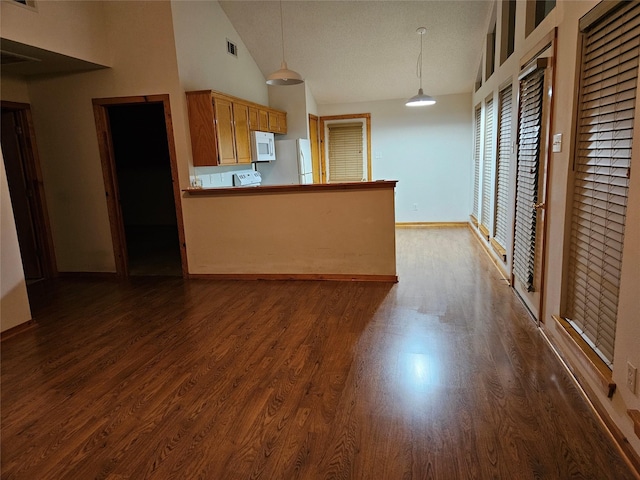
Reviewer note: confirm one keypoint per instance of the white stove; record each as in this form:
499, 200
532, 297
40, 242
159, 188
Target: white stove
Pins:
247, 178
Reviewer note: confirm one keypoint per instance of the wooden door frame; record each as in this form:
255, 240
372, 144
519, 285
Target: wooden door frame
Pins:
107, 158
351, 116
29, 149
318, 145
546, 141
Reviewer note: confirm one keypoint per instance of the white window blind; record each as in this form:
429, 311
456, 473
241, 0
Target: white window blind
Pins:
345, 152
503, 168
487, 166
602, 165
476, 163
529, 129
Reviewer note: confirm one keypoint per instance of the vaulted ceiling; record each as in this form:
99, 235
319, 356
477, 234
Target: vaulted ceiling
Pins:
354, 51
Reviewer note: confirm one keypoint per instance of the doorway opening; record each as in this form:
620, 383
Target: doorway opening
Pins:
26, 188
141, 182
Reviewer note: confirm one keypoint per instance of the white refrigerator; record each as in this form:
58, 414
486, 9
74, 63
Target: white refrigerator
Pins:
291, 166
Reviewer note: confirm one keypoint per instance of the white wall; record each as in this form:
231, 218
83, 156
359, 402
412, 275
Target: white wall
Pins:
427, 149
293, 100
14, 304
312, 106
14, 89
140, 37
73, 28
201, 29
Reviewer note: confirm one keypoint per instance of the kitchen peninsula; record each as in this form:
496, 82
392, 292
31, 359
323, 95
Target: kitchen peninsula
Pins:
342, 231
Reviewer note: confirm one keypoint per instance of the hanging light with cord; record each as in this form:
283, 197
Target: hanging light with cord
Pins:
420, 100
284, 76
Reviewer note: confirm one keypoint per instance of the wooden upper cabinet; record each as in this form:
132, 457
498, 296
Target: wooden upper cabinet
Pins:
220, 127
282, 122
225, 131
277, 121
273, 121
241, 119
202, 129
254, 118
263, 118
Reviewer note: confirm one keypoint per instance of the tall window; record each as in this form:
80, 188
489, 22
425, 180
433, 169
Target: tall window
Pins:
537, 11
602, 165
500, 228
346, 152
487, 169
508, 31
490, 54
476, 164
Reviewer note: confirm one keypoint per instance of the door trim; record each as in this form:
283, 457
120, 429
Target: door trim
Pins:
107, 159
549, 42
29, 149
315, 159
355, 116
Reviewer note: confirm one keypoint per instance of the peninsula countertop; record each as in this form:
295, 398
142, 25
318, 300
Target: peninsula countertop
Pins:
314, 187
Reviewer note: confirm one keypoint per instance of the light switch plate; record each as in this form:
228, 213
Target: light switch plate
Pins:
557, 143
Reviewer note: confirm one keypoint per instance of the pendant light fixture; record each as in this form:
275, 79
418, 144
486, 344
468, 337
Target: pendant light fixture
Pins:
420, 100
284, 76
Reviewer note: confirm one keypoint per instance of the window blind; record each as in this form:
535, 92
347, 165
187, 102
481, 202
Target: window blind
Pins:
503, 168
487, 165
528, 162
476, 163
602, 164
345, 152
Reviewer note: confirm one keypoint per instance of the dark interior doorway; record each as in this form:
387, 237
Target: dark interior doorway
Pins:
145, 188
26, 189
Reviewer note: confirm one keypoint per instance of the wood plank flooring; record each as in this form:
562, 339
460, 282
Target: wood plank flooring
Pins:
441, 376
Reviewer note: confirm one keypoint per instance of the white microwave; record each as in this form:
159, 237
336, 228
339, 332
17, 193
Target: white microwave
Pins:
263, 148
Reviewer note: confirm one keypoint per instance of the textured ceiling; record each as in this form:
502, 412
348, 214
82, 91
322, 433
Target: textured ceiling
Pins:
354, 51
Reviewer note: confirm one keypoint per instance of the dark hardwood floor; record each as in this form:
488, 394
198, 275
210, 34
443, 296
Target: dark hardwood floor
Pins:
441, 376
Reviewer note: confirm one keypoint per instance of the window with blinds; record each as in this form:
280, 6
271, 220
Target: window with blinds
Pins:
345, 152
487, 167
476, 164
503, 169
602, 165
528, 167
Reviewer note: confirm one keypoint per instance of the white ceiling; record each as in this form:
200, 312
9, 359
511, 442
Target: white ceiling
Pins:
354, 51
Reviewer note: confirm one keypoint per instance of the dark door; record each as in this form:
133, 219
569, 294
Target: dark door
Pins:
145, 188
22, 195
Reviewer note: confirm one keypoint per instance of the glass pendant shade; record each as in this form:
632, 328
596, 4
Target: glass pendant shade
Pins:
284, 76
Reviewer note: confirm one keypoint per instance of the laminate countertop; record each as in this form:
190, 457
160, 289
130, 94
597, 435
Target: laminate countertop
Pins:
315, 187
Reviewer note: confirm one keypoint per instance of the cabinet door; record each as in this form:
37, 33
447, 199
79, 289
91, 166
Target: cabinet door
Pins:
282, 122
243, 139
254, 118
264, 120
202, 129
224, 131
273, 122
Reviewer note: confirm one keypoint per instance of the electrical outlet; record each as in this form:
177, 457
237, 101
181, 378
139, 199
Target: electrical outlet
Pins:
415, 207
631, 377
